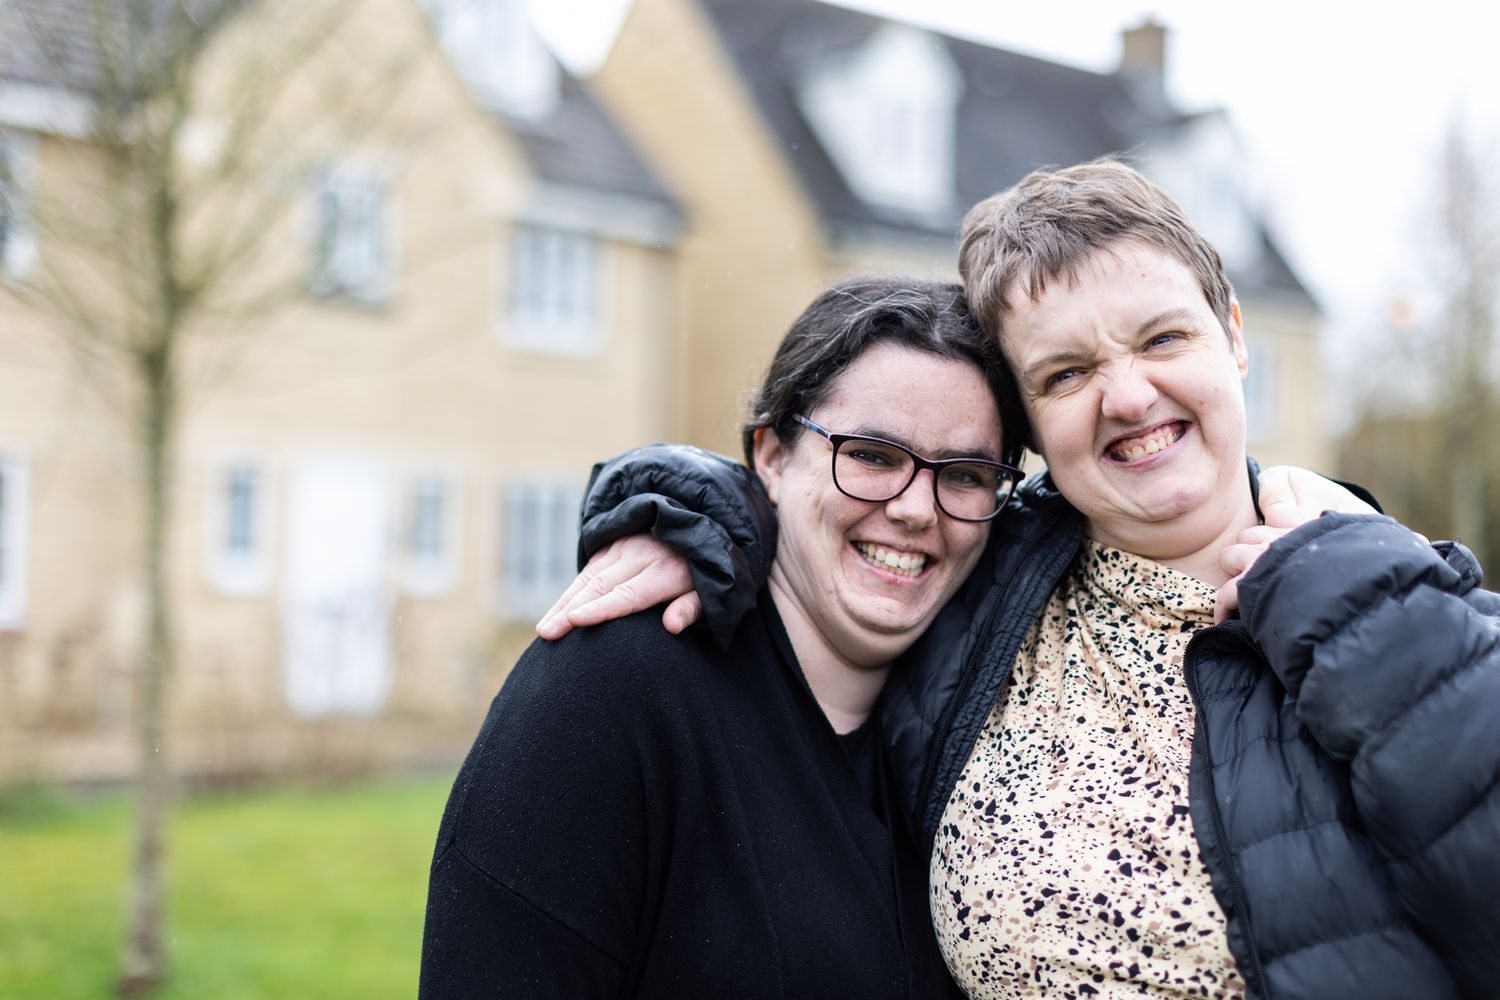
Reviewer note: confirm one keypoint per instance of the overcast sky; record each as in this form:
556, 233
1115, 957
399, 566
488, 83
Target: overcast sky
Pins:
1340, 109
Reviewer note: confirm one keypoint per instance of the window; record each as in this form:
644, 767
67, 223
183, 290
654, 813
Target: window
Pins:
17, 234
14, 513
554, 291
540, 535
429, 542
496, 48
1260, 394
238, 557
886, 116
354, 243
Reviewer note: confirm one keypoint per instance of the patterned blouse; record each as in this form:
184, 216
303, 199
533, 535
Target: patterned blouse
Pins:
1065, 865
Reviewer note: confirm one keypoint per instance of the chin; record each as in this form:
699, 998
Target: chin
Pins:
894, 626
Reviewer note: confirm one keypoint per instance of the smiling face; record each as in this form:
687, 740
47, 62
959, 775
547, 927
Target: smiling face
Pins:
867, 578
1134, 394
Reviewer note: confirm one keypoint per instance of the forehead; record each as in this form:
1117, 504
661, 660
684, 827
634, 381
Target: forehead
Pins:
914, 395
1111, 293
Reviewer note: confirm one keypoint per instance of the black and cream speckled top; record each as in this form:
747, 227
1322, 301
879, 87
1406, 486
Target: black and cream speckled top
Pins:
1065, 864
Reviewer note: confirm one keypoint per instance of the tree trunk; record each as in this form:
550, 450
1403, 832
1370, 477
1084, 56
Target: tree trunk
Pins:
144, 962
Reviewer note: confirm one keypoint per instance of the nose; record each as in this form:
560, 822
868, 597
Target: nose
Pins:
916, 507
1127, 393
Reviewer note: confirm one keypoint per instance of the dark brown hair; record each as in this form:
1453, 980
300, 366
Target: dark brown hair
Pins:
855, 315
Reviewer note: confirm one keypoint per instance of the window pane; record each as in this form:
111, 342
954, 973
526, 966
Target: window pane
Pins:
240, 515
4, 520
541, 542
427, 521
351, 236
552, 289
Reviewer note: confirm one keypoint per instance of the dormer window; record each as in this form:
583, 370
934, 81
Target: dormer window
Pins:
495, 47
886, 118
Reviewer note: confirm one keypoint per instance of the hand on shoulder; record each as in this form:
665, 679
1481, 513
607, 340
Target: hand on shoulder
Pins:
1289, 498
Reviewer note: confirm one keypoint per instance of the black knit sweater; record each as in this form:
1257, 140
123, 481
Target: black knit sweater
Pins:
646, 815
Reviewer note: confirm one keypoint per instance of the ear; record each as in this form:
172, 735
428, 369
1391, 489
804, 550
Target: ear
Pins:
770, 457
1237, 339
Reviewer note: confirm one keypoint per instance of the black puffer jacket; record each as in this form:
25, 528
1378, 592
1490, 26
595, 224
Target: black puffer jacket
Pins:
1345, 785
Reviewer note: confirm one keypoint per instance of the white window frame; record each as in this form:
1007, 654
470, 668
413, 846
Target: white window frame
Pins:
430, 572
15, 532
17, 224
239, 571
538, 545
355, 235
556, 287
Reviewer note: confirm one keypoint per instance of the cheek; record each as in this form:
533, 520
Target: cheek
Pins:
1063, 428
965, 543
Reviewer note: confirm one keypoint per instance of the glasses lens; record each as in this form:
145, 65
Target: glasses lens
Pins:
870, 470
972, 490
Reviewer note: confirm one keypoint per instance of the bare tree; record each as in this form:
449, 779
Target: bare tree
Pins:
1429, 450
1468, 251
200, 123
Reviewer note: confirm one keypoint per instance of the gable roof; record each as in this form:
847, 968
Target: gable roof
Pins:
578, 144
54, 44
1015, 113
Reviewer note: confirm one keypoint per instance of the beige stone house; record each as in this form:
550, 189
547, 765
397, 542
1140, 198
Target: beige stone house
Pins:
508, 276
806, 140
378, 480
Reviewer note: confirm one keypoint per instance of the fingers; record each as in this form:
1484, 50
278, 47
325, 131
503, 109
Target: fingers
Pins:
624, 598
609, 596
1238, 557
554, 624
1290, 496
630, 575
1228, 600
682, 612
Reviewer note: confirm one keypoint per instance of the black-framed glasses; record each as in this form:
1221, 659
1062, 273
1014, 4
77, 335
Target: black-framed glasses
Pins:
875, 470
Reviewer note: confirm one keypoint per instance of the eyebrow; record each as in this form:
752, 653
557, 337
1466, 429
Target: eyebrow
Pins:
1065, 358
1057, 359
866, 430
1179, 315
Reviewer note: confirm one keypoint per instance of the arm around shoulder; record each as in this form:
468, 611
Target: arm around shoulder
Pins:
707, 507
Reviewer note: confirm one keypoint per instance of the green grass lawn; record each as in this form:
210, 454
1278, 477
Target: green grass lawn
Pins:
293, 893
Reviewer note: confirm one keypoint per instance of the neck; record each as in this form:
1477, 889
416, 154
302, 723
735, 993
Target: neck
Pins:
844, 689
1194, 549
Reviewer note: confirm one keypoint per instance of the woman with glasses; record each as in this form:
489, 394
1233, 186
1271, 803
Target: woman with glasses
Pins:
706, 815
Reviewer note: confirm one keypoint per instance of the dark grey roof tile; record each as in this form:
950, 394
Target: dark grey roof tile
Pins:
577, 143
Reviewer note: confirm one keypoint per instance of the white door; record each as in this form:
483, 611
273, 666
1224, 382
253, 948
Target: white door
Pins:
336, 629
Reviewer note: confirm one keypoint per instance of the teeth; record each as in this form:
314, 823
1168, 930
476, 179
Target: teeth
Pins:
1150, 446
901, 563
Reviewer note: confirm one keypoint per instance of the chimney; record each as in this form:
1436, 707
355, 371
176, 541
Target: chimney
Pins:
1143, 61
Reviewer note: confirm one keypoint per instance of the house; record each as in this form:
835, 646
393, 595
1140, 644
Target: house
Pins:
806, 140
376, 478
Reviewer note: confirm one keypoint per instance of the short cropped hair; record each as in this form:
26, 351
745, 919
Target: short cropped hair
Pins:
1052, 222
857, 314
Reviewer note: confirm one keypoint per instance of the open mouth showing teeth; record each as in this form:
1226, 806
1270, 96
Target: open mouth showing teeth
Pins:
1131, 449
892, 560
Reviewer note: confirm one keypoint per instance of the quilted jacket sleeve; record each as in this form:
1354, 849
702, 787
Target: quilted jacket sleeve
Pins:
709, 508
1393, 655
